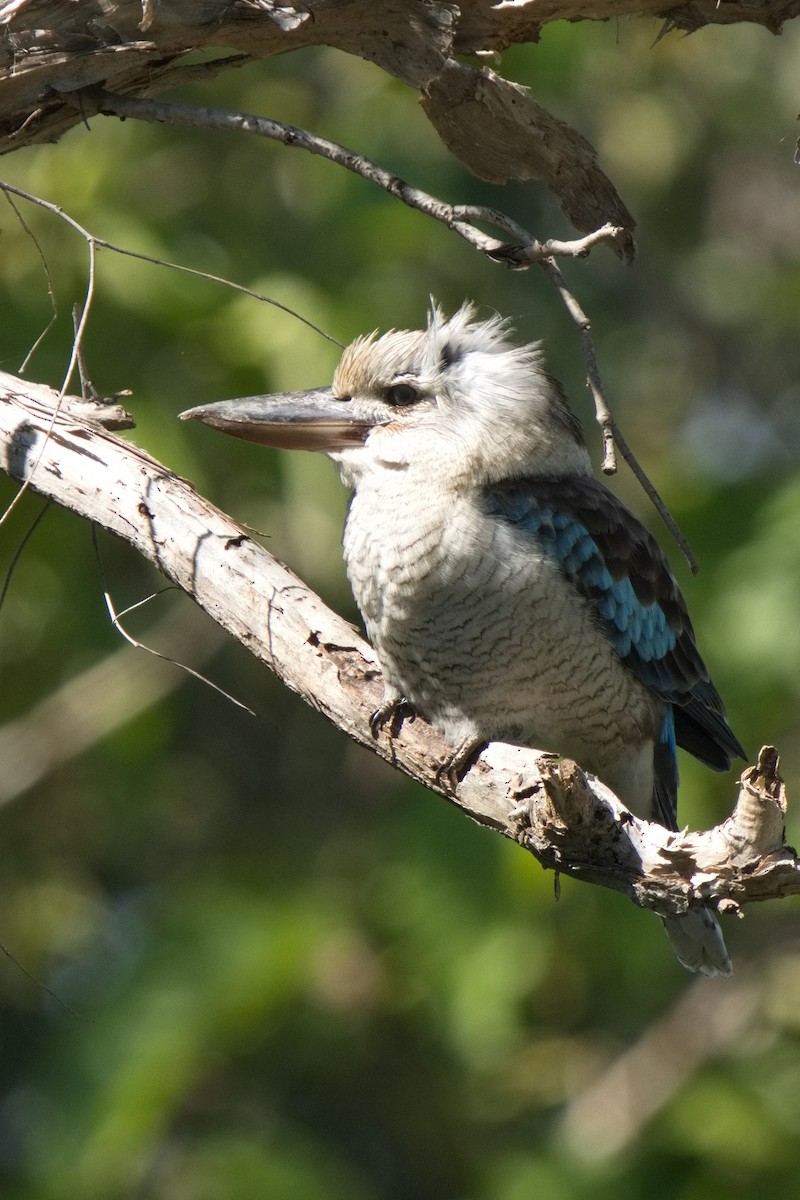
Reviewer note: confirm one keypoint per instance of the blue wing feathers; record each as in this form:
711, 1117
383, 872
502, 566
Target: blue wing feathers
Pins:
665, 764
618, 566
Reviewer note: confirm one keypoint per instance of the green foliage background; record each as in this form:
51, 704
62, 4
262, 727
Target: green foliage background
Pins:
295, 974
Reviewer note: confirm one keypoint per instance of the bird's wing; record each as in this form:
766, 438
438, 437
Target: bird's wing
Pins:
618, 566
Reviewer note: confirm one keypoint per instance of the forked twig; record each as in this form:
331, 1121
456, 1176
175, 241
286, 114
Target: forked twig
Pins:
523, 252
116, 621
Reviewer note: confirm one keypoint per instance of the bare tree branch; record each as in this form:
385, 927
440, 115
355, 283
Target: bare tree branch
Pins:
524, 252
570, 824
607, 1117
501, 133
49, 50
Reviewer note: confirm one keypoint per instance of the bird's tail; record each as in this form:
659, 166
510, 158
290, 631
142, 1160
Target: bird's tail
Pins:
697, 940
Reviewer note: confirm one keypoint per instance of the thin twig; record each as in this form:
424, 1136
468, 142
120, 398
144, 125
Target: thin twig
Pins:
102, 244
116, 621
605, 418
103, 698
12, 566
88, 390
33, 978
77, 343
93, 244
659, 504
51, 291
525, 251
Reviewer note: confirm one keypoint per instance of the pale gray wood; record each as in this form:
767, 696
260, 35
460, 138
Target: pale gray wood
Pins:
571, 824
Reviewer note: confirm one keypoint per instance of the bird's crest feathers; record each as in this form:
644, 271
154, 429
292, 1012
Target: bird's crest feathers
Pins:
372, 360
492, 399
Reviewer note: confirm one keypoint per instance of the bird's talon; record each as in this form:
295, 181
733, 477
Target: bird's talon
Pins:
451, 772
446, 777
393, 714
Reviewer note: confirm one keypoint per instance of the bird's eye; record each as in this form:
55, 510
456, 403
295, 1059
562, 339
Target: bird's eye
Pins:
400, 395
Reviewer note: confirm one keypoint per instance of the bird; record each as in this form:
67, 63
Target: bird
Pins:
508, 593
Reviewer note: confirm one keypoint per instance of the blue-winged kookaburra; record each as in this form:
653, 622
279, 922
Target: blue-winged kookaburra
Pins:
508, 594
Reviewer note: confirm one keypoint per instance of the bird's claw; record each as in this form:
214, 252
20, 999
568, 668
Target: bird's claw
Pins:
452, 770
392, 713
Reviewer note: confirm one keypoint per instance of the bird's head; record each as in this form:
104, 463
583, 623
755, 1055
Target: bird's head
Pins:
457, 397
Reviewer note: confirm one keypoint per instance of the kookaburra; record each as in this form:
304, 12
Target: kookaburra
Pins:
508, 594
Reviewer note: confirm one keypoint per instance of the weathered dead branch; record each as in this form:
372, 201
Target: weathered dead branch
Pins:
568, 822
49, 52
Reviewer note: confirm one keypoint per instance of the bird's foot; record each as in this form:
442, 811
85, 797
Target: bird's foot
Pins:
392, 713
452, 770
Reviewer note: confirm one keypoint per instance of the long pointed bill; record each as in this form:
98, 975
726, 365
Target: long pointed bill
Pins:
291, 421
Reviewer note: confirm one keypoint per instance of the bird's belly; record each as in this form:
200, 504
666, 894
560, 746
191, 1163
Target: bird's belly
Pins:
489, 640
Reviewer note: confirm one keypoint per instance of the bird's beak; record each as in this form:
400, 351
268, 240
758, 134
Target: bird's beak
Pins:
291, 421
